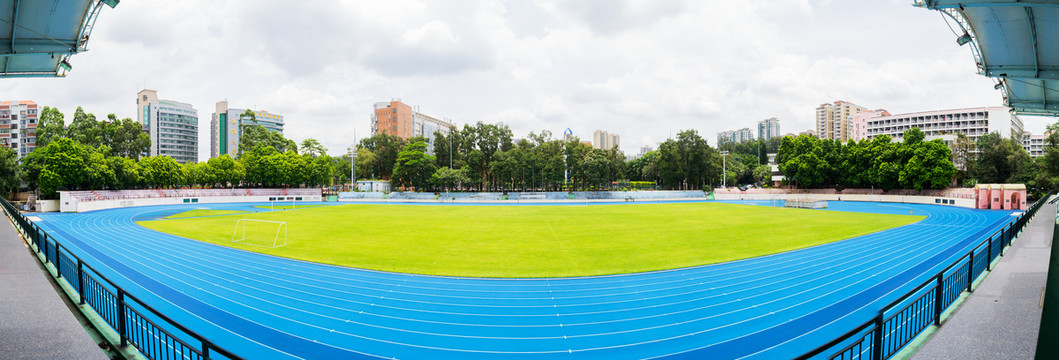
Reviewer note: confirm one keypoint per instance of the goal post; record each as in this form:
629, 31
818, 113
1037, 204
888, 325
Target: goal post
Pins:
260, 233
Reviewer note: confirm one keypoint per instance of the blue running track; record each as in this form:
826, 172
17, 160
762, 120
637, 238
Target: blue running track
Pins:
775, 306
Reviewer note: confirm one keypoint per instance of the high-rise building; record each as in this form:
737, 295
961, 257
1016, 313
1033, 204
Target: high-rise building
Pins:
604, 140
172, 125
768, 128
835, 120
1034, 144
18, 126
226, 127
736, 136
945, 124
402, 120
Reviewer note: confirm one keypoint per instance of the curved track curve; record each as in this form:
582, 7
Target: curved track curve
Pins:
773, 306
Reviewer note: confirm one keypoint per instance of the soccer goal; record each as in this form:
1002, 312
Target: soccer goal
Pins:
260, 232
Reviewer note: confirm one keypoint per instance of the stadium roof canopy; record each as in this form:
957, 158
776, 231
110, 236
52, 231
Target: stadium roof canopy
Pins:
1015, 42
38, 37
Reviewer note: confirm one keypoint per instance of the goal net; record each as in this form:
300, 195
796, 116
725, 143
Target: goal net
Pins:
264, 233
806, 204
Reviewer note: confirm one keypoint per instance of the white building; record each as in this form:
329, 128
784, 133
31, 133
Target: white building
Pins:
835, 120
604, 140
945, 124
373, 186
768, 128
173, 126
1034, 144
18, 126
226, 127
736, 136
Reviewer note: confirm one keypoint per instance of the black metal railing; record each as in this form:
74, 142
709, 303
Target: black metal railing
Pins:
899, 322
135, 322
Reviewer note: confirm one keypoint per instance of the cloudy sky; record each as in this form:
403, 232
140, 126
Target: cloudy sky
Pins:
644, 69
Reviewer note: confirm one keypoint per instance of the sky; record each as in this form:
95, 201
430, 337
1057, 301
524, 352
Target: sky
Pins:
644, 69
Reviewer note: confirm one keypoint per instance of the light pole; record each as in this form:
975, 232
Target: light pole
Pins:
353, 160
724, 169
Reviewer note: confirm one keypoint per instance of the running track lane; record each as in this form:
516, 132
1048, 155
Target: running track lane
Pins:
774, 306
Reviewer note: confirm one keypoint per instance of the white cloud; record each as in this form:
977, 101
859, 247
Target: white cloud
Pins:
641, 68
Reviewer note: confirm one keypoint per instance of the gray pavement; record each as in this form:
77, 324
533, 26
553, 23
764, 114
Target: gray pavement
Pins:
35, 323
1000, 320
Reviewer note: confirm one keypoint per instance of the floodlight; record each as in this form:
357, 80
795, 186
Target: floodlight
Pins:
966, 38
111, 3
65, 65
998, 86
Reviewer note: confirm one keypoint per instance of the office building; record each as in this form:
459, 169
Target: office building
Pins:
737, 136
404, 121
18, 126
172, 125
945, 124
835, 120
768, 128
226, 127
604, 140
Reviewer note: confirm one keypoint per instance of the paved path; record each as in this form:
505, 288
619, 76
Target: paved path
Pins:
1001, 318
35, 323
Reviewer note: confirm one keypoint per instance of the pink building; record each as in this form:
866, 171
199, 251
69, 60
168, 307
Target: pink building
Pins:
1001, 196
860, 123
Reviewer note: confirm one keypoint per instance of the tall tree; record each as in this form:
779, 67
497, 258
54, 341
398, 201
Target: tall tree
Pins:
414, 166
161, 172
10, 171
85, 129
312, 148
225, 171
50, 126
257, 134
384, 148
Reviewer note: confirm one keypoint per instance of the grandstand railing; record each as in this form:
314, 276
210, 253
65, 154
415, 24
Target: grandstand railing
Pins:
899, 322
135, 322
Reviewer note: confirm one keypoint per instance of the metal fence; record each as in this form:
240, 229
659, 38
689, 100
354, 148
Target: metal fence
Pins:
894, 327
899, 322
135, 322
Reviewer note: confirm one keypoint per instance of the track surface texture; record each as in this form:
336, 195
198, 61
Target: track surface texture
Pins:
775, 306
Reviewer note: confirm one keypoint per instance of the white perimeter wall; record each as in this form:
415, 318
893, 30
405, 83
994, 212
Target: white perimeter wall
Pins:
967, 203
72, 205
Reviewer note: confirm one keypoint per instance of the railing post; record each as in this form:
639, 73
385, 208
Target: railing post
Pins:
877, 352
989, 255
970, 272
80, 282
939, 291
121, 316
58, 271
205, 349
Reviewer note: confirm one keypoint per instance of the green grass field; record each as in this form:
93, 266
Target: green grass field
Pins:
285, 207
534, 241
203, 212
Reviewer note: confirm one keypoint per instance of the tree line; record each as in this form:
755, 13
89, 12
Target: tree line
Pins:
486, 157
110, 155
93, 154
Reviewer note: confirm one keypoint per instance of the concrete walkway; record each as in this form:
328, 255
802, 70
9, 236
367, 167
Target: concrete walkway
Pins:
1000, 320
35, 322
